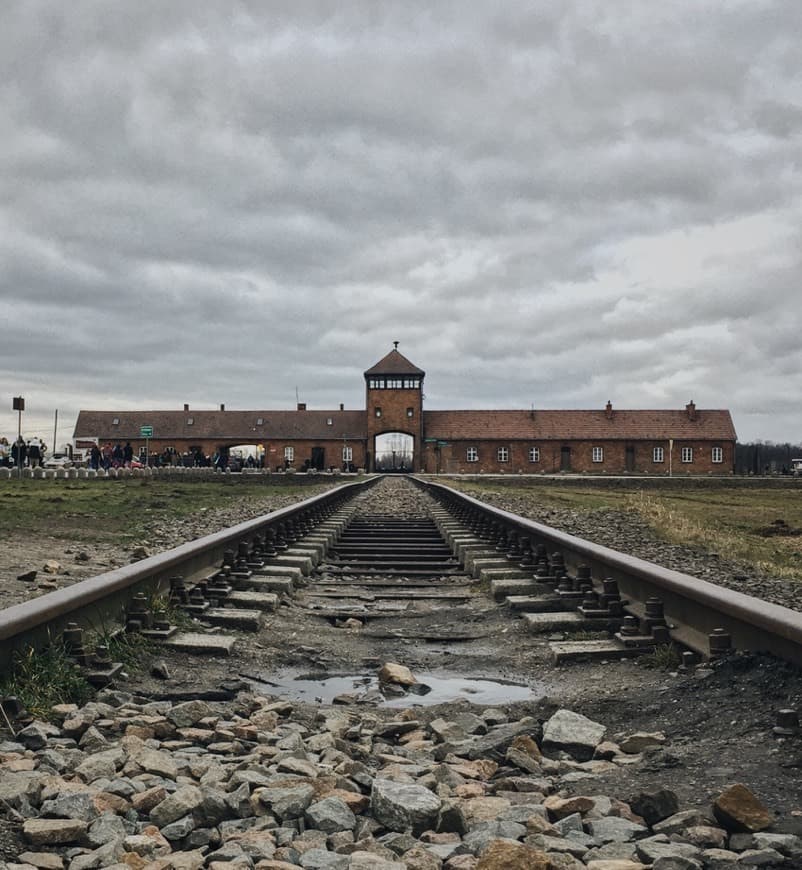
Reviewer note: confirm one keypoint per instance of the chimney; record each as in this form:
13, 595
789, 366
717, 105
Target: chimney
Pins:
222, 407
186, 407
608, 410
301, 406
342, 407
691, 409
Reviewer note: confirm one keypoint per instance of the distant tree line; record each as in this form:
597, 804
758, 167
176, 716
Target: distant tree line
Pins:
765, 457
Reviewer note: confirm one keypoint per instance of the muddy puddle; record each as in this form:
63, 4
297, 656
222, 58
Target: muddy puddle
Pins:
364, 688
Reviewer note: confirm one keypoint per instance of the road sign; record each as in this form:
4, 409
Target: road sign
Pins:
146, 431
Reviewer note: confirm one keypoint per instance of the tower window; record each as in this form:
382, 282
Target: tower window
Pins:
377, 411
410, 412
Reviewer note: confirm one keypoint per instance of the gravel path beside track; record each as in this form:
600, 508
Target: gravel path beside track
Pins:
629, 534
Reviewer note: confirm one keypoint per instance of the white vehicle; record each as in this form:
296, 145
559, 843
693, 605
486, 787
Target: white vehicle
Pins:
796, 467
58, 460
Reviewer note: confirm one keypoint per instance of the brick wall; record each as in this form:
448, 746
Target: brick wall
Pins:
452, 457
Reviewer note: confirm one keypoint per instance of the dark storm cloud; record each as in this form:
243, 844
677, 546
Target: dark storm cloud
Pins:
549, 204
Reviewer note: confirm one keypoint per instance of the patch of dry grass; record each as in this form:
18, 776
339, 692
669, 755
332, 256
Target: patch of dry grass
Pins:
732, 521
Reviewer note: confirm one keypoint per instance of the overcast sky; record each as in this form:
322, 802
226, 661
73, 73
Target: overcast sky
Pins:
548, 204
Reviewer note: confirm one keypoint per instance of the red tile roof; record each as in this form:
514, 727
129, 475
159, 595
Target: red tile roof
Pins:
578, 425
394, 363
227, 426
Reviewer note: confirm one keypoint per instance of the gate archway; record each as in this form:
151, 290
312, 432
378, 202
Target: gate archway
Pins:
394, 451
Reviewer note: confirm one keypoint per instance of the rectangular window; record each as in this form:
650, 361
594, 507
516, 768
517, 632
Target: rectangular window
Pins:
503, 454
411, 383
598, 454
472, 454
410, 412
717, 454
377, 411
289, 453
348, 454
658, 454
534, 454
687, 454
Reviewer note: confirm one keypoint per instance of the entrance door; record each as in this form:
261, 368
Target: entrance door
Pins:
565, 459
394, 451
319, 458
630, 457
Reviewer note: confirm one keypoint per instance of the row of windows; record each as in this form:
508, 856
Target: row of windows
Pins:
597, 454
348, 454
394, 383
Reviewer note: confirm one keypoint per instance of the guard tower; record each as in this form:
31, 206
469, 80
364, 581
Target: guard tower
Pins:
394, 408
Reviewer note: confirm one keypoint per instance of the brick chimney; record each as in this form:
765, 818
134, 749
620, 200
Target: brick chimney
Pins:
301, 406
186, 407
222, 407
691, 410
608, 410
342, 407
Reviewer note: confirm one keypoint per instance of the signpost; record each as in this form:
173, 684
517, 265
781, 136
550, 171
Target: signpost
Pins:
146, 432
18, 404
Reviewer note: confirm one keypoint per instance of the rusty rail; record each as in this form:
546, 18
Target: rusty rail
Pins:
695, 607
100, 601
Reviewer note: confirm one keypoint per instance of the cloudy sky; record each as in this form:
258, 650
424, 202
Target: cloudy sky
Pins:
548, 204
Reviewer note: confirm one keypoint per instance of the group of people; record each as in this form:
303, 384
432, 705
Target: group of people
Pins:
111, 456
21, 453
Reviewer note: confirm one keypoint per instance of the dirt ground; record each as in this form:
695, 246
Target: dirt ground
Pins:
718, 720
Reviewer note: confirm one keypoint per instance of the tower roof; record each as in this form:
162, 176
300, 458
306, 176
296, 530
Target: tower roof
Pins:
394, 363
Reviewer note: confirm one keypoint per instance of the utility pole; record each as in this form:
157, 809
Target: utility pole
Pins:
55, 431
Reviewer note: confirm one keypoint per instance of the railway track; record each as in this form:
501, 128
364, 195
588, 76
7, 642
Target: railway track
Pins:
380, 565
387, 571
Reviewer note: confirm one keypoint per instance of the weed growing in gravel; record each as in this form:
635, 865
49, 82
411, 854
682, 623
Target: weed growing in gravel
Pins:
43, 679
131, 648
665, 657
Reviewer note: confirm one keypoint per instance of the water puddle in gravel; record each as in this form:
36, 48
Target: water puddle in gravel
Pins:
364, 688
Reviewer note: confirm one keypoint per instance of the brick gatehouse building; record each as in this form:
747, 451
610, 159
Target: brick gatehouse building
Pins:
394, 431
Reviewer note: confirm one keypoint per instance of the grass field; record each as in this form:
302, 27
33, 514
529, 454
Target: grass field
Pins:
738, 523
119, 511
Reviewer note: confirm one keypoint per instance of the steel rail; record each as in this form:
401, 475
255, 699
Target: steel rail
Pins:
101, 600
696, 607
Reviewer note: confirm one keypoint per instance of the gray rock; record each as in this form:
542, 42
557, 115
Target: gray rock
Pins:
404, 806
677, 863
492, 745
320, 859
214, 807
106, 855
572, 733
569, 823
189, 713
477, 840
649, 850
613, 829
788, 844
107, 829
36, 735
655, 806
180, 803
19, 789
287, 803
330, 815
677, 823
179, 829
760, 858
71, 805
